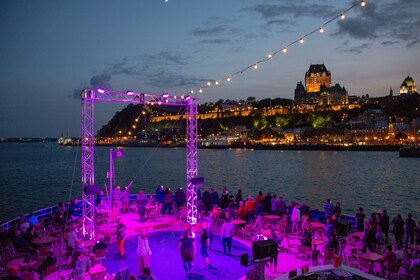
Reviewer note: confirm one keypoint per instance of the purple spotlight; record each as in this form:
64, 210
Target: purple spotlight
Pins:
188, 97
130, 92
100, 90
165, 95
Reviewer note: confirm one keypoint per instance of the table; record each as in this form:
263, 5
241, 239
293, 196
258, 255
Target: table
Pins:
415, 247
97, 269
43, 240
371, 256
236, 224
317, 242
19, 263
317, 225
359, 234
271, 217
88, 244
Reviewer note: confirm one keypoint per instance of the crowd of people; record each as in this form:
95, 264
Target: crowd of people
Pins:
211, 206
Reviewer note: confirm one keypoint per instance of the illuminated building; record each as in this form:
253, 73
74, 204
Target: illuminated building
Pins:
318, 89
408, 86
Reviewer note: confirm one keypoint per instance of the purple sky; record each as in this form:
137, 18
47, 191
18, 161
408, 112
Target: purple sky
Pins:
50, 50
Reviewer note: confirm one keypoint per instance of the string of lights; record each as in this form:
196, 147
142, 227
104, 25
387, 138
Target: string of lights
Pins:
270, 56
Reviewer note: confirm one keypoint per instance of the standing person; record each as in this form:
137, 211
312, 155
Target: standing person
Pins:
267, 203
120, 232
187, 248
214, 198
209, 220
207, 199
274, 205
116, 200
410, 225
337, 210
259, 198
227, 234
328, 208
281, 206
360, 220
167, 203
398, 229
179, 198
141, 206
143, 252
307, 234
205, 243
273, 258
160, 195
224, 198
384, 224
250, 207
295, 217
238, 198
125, 200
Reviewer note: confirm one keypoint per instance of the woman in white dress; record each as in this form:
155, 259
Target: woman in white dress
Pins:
143, 252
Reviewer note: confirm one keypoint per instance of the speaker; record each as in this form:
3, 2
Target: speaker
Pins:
244, 260
198, 181
91, 190
264, 249
343, 227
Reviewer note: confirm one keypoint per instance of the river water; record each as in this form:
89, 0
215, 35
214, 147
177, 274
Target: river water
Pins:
37, 175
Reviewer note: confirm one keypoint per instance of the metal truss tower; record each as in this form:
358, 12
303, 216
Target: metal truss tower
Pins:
88, 164
192, 160
88, 172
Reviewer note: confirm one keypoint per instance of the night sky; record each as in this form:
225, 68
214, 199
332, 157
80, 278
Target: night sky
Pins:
50, 50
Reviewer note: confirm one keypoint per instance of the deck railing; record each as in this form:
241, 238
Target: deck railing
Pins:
48, 211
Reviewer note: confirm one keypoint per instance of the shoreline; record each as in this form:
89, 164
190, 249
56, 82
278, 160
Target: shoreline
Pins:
284, 147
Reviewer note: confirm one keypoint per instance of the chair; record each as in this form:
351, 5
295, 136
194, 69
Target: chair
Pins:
328, 257
393, 269
365, 265
28, 275
43, 252
101, 254
50, 269
302, 251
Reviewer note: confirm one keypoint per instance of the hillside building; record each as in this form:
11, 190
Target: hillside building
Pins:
318, 89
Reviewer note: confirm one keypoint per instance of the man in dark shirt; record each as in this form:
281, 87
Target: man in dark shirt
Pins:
360, 220
49, 261
100, 244
257, 272
267, 203
384, 224
207, 200
410, 225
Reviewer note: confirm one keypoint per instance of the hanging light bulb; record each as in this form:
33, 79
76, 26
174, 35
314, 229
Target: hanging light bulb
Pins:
270, 56
284, 50
200, 90
363, 3
343, 16
321, 29
191, 91
208, 84
134, 126
217, 83
255, 66
301, 40
228, 79
137, 120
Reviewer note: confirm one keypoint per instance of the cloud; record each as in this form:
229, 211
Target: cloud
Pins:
101, 80
209, 31
160, 71
389, 43
355, 49
390, 21
290, 8
215, 41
